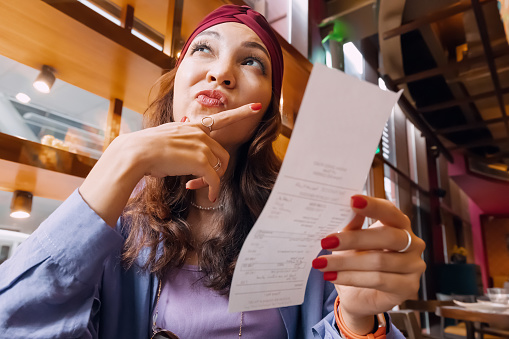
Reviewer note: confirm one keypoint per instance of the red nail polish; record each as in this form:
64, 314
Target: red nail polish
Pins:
330, 276
214, 200
319, 263
183, 119
359, 202
256, 107
330, 242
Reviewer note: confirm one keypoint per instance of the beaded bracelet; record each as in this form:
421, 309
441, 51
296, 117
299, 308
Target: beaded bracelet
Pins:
348, 334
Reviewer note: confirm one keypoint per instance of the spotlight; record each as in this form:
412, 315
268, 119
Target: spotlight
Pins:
45, 79
21, 204
22, 97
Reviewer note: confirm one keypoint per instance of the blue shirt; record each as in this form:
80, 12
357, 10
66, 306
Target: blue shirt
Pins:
67, 281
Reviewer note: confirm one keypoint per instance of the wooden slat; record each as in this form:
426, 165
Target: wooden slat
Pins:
127, 18
113, 122
173, 23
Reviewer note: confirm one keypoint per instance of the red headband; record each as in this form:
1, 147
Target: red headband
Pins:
253, 20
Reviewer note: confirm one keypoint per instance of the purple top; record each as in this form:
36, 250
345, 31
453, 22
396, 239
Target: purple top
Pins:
183, 294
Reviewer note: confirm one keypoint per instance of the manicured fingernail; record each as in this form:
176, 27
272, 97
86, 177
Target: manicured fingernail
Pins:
214, 200
359, 202
319, 263
256, 107
183, 119
330, 276
330, 242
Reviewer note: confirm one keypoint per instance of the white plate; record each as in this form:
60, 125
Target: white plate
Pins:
485, 306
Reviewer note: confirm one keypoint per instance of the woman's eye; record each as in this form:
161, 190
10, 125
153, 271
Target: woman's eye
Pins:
201, 48
255, 62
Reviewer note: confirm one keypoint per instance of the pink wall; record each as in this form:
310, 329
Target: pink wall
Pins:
478, 241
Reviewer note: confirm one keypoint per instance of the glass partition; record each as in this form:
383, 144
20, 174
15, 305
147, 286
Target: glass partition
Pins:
67, 117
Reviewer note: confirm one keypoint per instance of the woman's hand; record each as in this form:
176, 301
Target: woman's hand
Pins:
370, 274
179, 148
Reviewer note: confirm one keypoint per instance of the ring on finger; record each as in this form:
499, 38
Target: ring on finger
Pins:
217, 166
209, 125
408, 244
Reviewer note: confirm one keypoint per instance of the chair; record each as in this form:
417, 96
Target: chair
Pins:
429, 306
406, 322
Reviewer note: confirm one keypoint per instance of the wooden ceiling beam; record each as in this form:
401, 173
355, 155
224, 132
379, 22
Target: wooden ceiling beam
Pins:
30, 153
480, 143
451, 67
488, 53
110, 30
437, 15
466, 127
462, 101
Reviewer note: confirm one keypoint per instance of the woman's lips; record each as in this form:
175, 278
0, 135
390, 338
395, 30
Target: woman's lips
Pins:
211, 98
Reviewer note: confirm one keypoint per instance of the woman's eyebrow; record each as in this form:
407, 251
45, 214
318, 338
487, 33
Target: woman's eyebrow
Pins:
252, 44
213, 33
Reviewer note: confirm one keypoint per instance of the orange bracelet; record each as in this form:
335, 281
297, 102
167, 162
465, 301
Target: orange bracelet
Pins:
348, 334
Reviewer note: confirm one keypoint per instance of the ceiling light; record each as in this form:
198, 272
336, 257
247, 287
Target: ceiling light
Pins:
45, 79
22, 97
21, 204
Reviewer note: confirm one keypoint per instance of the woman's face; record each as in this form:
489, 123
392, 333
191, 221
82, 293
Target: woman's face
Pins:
226, 66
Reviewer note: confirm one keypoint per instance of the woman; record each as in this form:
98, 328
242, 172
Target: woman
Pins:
205, 167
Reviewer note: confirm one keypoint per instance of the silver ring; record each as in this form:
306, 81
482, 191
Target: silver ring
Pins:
217, 166
408, 244
211, 122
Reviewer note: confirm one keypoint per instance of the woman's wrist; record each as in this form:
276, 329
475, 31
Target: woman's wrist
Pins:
360, 325
110, 183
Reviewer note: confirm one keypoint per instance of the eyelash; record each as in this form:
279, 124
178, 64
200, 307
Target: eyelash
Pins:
259, 60
195, 47
198, 45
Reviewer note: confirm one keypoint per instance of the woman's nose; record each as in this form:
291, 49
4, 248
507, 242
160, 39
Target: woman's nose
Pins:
223, 74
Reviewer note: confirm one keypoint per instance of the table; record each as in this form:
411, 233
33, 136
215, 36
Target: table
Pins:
498, 321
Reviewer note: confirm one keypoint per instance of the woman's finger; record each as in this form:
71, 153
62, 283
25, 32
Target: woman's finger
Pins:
366, 261
355, 224
212, 180
226, 118
374, 238
404, 285
380, 209
195, 184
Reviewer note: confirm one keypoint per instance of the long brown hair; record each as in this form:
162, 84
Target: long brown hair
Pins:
155, 217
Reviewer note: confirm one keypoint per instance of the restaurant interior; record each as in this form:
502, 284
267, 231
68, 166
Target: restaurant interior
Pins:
75, 74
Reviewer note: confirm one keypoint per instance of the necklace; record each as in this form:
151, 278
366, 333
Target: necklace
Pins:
203, 208
167, 334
